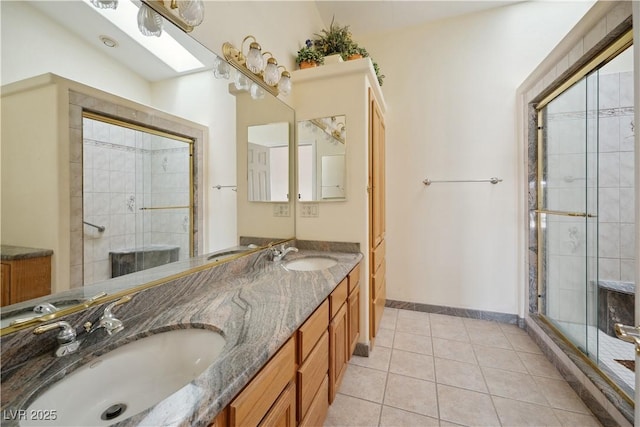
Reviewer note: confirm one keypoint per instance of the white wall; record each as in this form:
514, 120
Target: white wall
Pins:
451, 97
34, 44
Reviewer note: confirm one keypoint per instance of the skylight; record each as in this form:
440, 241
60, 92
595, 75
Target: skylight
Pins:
165, 47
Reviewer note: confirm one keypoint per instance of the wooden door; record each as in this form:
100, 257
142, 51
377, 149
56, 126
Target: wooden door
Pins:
354, 319
377, 222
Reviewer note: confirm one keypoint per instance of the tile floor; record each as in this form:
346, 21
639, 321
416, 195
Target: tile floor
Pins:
437, 370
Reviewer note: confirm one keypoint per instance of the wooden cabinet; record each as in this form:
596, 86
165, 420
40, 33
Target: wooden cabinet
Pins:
353, 304
313, 358
25, 278
262, 398
377, 278
283, 411
338, 348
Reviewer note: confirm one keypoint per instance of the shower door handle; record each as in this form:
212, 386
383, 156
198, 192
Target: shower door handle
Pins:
629, 334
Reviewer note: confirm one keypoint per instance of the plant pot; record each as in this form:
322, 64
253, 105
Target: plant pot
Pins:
354, 56
308, 64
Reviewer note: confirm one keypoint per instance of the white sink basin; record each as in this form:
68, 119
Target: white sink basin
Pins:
139, 375
310, 263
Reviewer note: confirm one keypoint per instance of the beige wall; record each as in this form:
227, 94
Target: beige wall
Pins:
35, 212
451, 89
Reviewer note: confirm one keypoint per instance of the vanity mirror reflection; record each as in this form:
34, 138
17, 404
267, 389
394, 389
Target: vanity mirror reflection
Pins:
321, 159
65, 59
268, 162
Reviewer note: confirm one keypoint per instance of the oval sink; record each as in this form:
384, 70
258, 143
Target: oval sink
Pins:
310, 263
129, 379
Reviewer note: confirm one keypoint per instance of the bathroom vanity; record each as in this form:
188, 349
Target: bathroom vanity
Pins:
288, 335
26, 273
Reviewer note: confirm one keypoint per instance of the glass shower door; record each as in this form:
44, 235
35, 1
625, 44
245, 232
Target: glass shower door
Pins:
566, 231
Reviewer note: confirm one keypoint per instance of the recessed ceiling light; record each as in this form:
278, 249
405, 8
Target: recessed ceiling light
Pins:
108, 41
165, 47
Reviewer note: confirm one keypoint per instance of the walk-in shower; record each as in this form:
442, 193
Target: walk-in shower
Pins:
586, 219
137, 187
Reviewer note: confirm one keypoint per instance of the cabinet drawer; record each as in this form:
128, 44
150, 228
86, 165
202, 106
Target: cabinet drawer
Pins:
283, 412
254, 401
354, 278
319, 406
311, 374
338, 297
311, 331
378, 281
378, 255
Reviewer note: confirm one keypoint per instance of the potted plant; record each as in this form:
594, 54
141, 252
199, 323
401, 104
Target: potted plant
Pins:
309, 56
356, 52
379, 74
335, 40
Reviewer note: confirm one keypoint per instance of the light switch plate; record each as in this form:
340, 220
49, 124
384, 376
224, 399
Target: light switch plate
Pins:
309, 210
281, 209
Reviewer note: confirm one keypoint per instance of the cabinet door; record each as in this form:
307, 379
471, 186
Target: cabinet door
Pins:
376, 173
354, 319
6, 284
338, 345
283, 411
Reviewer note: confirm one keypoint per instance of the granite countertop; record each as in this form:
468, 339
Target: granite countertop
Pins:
11, 253
256, 304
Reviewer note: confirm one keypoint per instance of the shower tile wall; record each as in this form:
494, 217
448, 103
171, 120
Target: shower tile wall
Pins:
616, 180
123, 171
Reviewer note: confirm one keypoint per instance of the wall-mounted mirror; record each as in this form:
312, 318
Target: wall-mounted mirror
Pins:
321, 159
268, 162
78, 59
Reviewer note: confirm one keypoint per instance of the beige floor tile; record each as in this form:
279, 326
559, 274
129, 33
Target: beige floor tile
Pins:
460, 374
364, 383
349, 411
523, 342
560, 395
412, 395
412, 342
389, 317
515, 413
378, 359
489, 338
513, 385
512, 329
539, 365
415, 315
448, 424
454, 350
414, 365
448, 327
385, 337
466, 407
413, 326
481, 325
499, 358
393, 417
572, 419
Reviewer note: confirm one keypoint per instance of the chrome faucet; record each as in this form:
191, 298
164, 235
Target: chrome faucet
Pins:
67, 343
108, 321
279, 254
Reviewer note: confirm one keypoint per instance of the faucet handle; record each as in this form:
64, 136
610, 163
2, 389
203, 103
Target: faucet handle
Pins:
107, 310
66, 335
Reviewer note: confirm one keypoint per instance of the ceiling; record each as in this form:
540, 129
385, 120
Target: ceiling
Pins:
374, 17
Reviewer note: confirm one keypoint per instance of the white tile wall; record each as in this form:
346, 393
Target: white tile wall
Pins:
125, 170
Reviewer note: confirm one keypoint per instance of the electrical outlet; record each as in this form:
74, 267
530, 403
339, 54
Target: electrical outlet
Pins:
281, 209
309, 210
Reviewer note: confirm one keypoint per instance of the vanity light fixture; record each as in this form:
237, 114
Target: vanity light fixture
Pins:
264, 74
105, 4
332, 127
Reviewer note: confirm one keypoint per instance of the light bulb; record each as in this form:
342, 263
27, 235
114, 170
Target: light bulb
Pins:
149, 21
256, 91
284, 85
241, 81
105, 4
192, 11
255, 61
271, 75
221, 69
